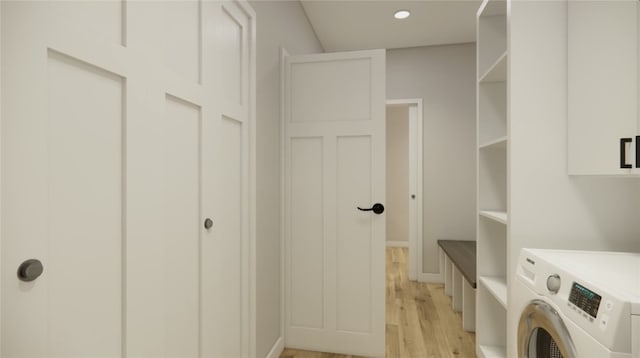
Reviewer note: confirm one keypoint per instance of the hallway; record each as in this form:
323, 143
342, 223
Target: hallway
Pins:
420, 322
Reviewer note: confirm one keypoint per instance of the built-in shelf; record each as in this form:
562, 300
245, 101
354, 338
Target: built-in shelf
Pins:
492, 8
499, 143
493, 351
492, 111
499, 216
493, 143
498, 288
496, 72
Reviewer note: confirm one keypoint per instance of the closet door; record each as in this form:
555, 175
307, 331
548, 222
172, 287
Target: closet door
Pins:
226, 179
64, 119
110, 128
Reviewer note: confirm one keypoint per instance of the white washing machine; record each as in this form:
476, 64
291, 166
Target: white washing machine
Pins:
577, 304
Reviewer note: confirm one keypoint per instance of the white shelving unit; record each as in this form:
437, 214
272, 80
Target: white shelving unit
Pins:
493, 212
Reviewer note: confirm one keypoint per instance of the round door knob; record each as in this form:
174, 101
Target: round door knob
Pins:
553, 283
30, 270
208, 223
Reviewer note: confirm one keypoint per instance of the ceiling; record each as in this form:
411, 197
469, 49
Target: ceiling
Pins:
344, 25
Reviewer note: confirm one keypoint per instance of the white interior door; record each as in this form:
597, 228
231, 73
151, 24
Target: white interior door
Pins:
335, 163
114, 118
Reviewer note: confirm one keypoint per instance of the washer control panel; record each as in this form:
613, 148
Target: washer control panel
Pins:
585, 299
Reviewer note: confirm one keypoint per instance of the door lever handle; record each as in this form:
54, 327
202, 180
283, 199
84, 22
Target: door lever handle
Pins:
376, 208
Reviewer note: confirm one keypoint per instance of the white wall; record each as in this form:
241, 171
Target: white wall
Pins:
444, 77
550, 209
397, 183
279, 24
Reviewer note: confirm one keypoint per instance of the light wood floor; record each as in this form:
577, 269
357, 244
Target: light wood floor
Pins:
420, 322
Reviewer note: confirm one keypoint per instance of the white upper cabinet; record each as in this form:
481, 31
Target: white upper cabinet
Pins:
603, 43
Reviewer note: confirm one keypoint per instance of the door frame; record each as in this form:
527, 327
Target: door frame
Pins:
0, 176
279, 345
415, 184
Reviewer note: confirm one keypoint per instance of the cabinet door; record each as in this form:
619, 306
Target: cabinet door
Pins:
602, 85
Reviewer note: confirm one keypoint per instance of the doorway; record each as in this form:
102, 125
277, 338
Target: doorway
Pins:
404, 179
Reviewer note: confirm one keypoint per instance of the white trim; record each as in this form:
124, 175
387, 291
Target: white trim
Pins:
283, 55
277, 349
250, 332
396, 243
416, 153
253, 256
430, 278
1, 238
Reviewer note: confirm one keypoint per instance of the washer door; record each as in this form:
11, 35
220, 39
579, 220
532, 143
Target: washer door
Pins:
542, 334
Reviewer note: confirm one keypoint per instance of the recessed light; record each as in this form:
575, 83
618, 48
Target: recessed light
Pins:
401, 14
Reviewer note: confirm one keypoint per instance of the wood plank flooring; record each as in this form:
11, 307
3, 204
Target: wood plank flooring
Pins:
420, 322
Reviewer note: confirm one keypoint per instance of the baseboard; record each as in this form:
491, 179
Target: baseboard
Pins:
397, 243
277, 349
430, 277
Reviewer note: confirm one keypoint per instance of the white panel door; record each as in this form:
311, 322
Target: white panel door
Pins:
62, 187
226, 180
335, 163
119, 138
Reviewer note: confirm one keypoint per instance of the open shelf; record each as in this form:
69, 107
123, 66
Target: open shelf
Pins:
496, 72
499, 216
497, 286
491, 35
492, 181
487, 351
492, 111
491, 248
492, 8
499, 143
491, 324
